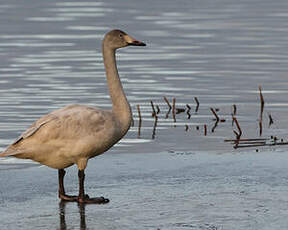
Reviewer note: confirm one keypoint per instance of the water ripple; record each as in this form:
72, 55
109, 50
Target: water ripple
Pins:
51, 57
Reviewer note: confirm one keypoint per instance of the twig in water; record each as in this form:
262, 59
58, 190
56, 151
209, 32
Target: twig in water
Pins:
260, 128
250, 145
188, 111
154, 127
170, 107
158, 109
270, 120
262, 144
173, 109
198, 104
216, 118
153, 109
166, 100
251, 142
261, 110
247, 139
215, 114
234, 113
261, 100
234, 110
275, 139
238, 135
179, 110
140, 120
215, 126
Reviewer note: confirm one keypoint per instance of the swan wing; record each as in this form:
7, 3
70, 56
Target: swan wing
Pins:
35, 127
71, 123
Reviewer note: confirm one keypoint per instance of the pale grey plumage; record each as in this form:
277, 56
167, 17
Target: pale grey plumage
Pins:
75, 133
72, 134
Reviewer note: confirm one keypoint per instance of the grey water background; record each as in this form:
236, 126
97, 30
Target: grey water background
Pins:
217, 50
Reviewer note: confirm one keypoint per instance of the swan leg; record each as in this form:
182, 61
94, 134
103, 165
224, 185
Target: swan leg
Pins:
61, 192
84, 198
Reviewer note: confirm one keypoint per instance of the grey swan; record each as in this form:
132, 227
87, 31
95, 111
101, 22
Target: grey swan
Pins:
76, 133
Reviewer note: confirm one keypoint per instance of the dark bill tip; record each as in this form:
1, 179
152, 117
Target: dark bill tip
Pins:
136, 43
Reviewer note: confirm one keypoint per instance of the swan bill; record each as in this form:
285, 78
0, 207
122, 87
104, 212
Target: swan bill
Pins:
136, 43
133, 42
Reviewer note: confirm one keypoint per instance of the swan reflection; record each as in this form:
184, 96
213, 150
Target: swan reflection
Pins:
62, 208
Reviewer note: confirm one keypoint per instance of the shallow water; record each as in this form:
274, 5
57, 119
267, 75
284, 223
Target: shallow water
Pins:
217, 50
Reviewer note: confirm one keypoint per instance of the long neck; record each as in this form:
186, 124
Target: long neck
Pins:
120, 106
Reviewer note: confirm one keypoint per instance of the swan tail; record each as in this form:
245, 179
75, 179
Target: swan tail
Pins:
8, 152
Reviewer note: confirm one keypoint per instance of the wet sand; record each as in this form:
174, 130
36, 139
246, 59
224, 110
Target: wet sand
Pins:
165, 190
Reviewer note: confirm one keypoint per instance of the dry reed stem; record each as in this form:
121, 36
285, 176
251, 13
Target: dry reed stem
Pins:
261, 110
170, 107
173, 109
238, 127
260, 145
198, 104
247, 139
216, 118
166, 100
234, 113
140, 120
153, 109
261, 98
188, 111
154, 127
238, 135
205, 130
234, 110
215, 114
215, 126
270, 120
260, 128
158, 109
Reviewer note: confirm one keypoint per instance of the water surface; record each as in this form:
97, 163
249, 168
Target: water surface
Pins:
219, 51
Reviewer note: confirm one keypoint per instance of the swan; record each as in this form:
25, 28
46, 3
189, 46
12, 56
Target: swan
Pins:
76, 133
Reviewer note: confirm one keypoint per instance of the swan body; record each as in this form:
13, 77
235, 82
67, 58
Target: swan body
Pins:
76, 133
70, 135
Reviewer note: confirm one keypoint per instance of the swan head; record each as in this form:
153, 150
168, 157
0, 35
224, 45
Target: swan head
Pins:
118, 39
